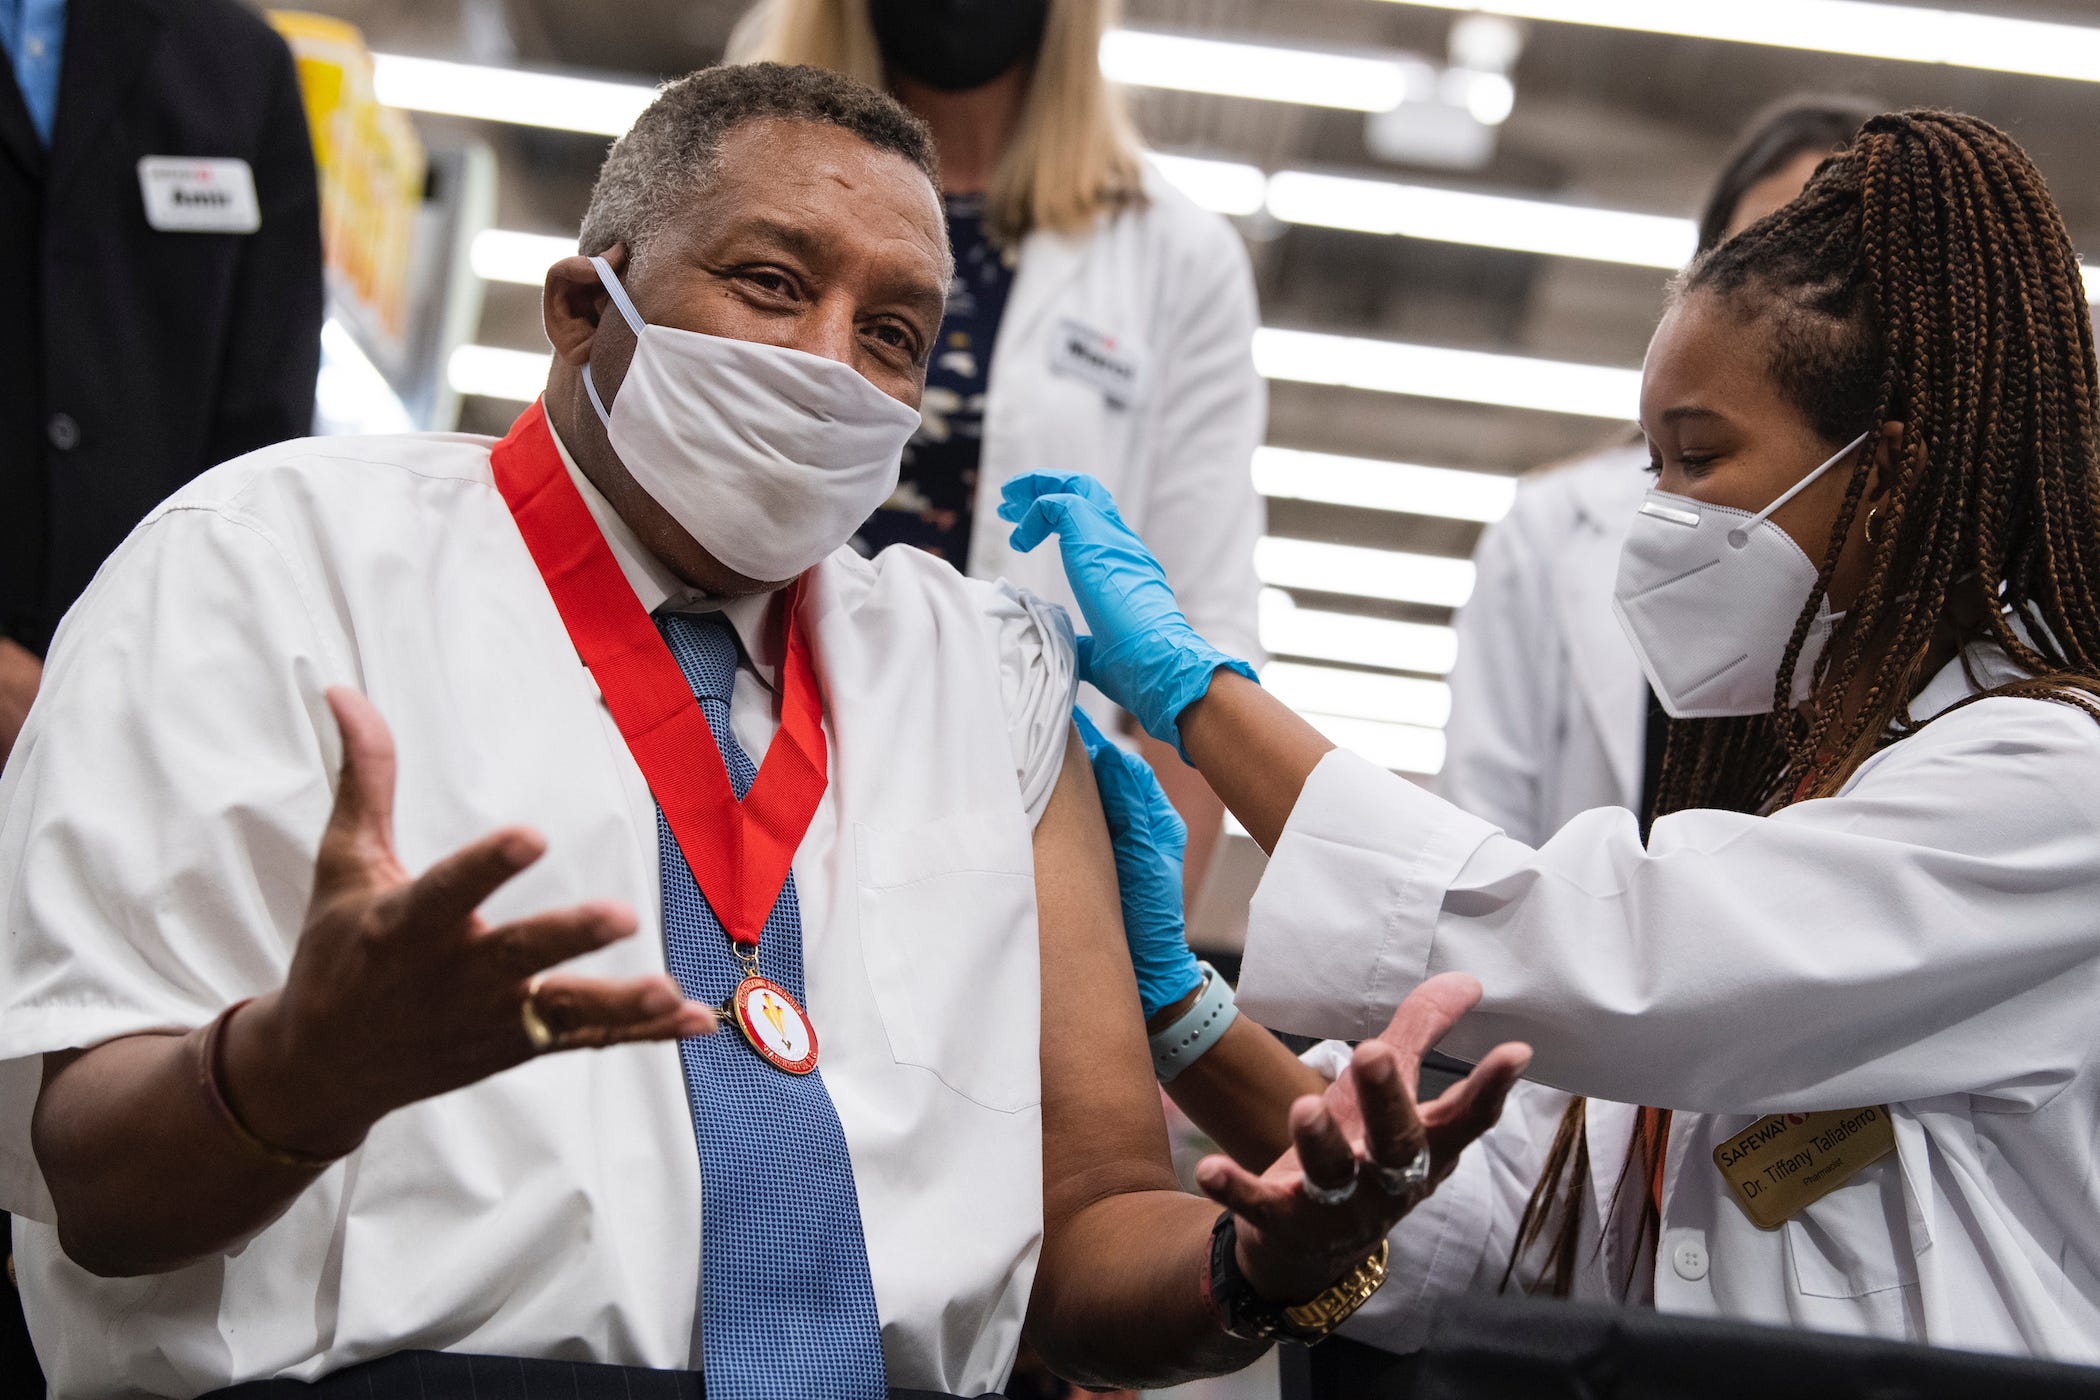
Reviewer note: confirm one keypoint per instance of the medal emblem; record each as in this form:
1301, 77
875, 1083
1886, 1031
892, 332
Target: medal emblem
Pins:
776, 1027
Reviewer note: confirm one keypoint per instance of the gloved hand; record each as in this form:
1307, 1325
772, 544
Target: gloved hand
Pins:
1150, 840
1142, 652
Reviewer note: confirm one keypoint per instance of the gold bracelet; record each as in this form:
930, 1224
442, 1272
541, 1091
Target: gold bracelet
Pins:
209, 1079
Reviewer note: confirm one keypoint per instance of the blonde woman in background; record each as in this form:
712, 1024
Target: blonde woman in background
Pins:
1098, 321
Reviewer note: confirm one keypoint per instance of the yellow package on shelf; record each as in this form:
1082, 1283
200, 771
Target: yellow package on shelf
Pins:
371, 170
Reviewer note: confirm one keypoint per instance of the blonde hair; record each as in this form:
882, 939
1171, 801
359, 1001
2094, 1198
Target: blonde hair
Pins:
1075, 154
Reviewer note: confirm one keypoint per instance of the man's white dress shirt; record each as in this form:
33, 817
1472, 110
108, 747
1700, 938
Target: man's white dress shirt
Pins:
158, 823
1927, 938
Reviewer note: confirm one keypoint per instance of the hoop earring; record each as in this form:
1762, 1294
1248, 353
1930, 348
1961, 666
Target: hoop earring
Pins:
1872, 512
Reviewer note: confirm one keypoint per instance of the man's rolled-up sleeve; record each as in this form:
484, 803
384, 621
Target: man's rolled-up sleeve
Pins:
1038, 681
159, 818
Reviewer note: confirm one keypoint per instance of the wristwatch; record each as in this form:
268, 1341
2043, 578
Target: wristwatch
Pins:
1245, 1314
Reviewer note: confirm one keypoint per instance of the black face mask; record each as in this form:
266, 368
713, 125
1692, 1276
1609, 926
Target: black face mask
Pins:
955, 45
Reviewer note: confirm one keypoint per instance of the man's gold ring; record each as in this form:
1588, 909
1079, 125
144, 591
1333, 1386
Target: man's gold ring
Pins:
536, 1028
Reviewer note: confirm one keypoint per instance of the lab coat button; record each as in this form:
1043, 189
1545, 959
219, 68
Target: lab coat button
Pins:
1689, 1259
63, 432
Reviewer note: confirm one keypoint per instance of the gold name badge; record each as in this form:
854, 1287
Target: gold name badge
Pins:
1781, 1164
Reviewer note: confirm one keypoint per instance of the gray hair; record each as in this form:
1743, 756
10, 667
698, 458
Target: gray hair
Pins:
667, 158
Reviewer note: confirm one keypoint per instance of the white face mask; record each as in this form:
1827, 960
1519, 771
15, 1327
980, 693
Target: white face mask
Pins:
1709, 596
770, 458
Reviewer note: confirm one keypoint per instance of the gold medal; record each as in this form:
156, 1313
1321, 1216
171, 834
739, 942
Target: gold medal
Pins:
1785, 1162
778, 1029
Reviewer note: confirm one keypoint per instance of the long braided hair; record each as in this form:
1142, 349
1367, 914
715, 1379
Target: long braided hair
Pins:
1923, 277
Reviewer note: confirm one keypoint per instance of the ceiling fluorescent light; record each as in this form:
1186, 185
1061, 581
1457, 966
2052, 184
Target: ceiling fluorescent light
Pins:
483, 93
1483, 220
1384, 366
1489, 97
1471, 376
1221, 186
1905, 33
1358, 694
1139, 59
1403, 748
498, 374
1260, 71
1287, 474
1297, 355
1228, 187
1289, 630
504, 255
1392, 574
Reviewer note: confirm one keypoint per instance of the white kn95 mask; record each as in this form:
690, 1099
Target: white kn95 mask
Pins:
770, 458
1709, 596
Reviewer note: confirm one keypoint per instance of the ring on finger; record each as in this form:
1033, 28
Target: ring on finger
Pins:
536, 1028
1327, 1195
1411, 1175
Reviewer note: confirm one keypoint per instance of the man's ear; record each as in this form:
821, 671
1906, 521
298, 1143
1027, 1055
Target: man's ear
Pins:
573, 301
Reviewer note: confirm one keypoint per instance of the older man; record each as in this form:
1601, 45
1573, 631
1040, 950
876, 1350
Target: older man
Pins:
275, 1107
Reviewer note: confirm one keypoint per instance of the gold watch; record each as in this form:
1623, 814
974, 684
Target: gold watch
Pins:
1245, 1314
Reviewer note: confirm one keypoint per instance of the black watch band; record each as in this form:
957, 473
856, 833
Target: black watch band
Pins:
1245, 1314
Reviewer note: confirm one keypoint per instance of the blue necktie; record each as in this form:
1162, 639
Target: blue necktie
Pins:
786, 1304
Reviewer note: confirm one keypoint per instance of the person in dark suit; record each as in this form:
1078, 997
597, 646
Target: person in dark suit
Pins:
171, 319
172, 316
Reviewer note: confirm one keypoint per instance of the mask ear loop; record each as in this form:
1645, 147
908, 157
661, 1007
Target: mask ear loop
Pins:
1740, 535
618, 293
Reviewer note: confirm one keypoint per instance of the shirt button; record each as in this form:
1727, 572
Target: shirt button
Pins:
63, 432
1689, 1259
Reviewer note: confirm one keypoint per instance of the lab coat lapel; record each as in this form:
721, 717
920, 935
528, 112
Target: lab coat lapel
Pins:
1048, 261
107, 43
1605, 672
1608, 1128
17, 133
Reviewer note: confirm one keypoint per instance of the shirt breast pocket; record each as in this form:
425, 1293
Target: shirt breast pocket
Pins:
948, 935
1856, 1240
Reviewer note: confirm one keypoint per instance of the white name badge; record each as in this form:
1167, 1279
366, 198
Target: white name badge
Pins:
1087, 354
199, 194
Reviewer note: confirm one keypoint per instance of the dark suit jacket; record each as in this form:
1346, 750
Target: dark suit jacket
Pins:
130, 359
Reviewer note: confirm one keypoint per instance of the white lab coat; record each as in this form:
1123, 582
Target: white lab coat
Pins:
1548, 704
1548, 720
1127, 352
1928, 938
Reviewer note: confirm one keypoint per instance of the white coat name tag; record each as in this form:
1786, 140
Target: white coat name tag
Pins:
1087, 354
1782, 1164
199, 194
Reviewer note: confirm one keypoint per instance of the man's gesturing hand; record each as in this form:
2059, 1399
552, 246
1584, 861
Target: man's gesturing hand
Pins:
399, 990
1364, 1130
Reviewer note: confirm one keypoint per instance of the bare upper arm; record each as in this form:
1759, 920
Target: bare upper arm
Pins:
1103, 1129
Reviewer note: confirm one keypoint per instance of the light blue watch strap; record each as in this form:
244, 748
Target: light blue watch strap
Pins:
1196, 1029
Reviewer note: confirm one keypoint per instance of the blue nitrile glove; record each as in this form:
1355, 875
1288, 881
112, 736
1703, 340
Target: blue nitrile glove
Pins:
1142, 652
1150, 840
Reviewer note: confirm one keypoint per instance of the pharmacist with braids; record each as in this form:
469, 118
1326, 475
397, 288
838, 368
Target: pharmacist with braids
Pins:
1851, 976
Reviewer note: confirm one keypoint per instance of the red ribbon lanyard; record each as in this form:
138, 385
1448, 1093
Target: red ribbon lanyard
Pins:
739, 852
